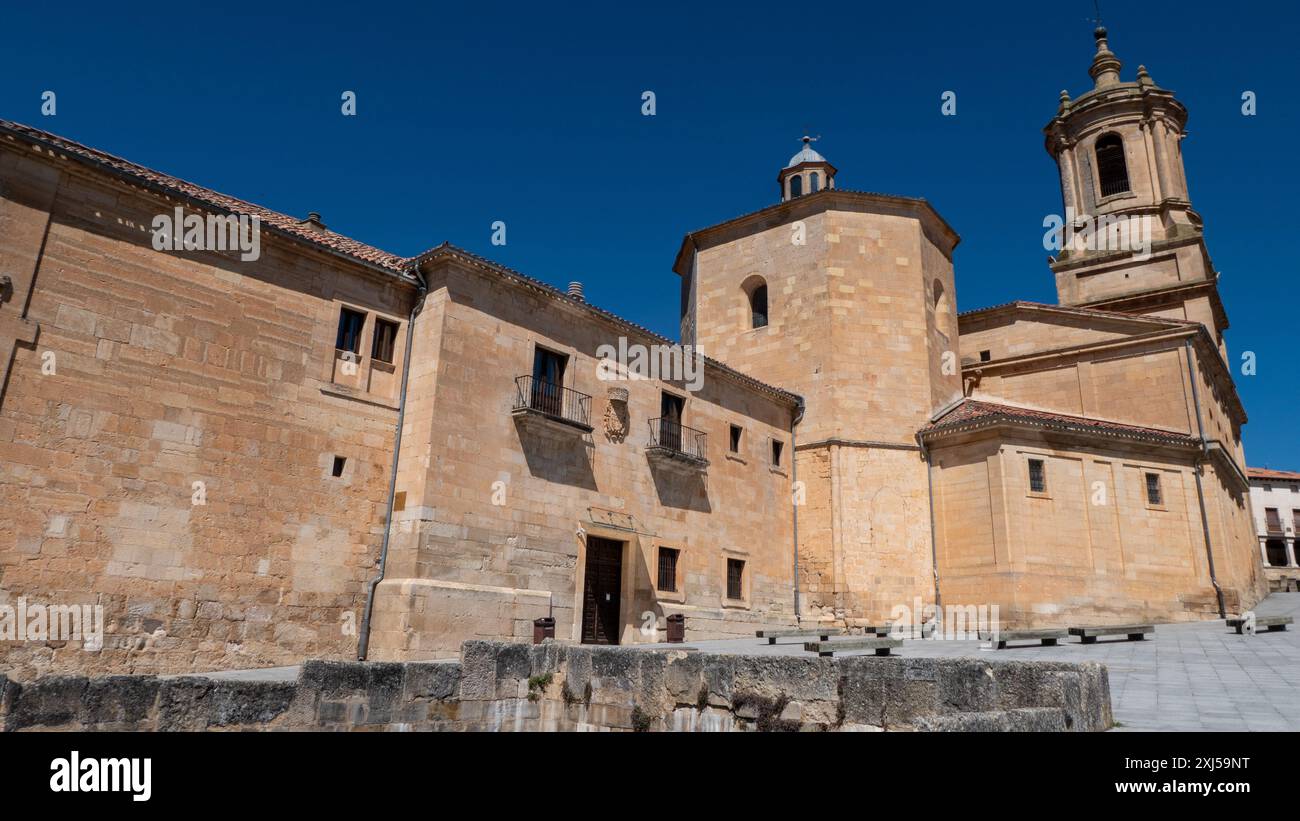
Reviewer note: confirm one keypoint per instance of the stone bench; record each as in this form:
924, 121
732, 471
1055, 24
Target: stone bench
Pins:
1269, 623
905, 630
1135, 632
830, 648
823, 633
1048, 636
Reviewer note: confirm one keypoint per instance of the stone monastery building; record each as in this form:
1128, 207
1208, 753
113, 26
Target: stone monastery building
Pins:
213, 448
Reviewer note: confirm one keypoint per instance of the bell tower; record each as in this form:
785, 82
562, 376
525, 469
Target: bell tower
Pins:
1130, 240
807, 173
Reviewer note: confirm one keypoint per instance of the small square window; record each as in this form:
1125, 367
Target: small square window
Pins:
381, 350
985, 356
1153, 489
735, 579
1037, 476
668, 569
735, 438
777, 446
339, 462
350, 324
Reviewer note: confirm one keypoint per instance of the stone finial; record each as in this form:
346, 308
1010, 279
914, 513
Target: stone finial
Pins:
1144, 79
1105, 65
1065, 102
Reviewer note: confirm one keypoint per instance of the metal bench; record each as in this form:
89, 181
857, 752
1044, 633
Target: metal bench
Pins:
830, 648
823, 633
1267, 623
1048, 636
1135, 632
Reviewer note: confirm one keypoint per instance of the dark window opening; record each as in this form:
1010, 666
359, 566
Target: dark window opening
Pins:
339, 462
1276, 549
547, 393
985, 356
1037, 476
350, 324
381, 349
796, 186
814, 183
671, 408
735, 579
1153, 489
735, 438
758, 307
1112, 170
776, 452
668, 569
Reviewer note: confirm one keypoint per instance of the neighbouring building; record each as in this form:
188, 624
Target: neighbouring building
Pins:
252, 454
1275, 506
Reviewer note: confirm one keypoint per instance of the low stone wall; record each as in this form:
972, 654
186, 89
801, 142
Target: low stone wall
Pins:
559, 687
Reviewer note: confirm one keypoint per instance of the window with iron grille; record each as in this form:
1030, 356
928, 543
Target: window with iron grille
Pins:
381, 350
1112, 170
1153, 489
350, 324
668, 569
1272, 519
735, 579
1037, 476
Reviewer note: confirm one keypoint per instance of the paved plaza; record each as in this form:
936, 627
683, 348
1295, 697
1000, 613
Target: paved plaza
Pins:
1189, 676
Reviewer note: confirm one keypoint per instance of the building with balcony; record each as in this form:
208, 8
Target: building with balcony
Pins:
1275, 507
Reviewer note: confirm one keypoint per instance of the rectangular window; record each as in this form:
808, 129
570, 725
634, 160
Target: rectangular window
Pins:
735, 579
776, 452
1295, 520
350, 324
385, 340
985, 356
1037, 476
671, 408
668, 569
1153, 489
1273, 520
735, 438
548, 380
339, 462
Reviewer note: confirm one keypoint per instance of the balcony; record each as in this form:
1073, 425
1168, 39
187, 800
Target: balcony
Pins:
674, 444
551, 406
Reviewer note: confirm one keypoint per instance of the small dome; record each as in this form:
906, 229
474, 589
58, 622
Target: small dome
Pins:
806, 154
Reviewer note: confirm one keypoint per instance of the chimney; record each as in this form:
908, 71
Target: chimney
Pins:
313, 221
575, 291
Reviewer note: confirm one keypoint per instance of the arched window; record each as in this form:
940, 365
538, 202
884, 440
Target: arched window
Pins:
796, 186
814, 184
755, 289
1112, 170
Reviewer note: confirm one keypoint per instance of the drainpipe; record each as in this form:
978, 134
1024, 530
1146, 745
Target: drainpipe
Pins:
934, 550
1200, 491
794, 504
363, 640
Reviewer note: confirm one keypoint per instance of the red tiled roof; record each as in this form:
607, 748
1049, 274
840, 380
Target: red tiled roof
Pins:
1075, 309
295, 228
1265, 473
971, 414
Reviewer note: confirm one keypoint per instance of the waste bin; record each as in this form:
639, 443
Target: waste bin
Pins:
543, 628
676, 628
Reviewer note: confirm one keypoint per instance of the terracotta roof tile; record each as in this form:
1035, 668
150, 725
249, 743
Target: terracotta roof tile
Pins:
973, 413
321, 237
1265, 473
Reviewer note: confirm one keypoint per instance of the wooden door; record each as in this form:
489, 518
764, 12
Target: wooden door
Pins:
600, 591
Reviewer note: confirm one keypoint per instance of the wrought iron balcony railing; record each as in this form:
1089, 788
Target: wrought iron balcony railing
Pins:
675, 439
552, 401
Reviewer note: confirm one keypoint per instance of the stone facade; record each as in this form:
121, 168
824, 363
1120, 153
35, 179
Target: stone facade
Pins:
206, 446
1275, 510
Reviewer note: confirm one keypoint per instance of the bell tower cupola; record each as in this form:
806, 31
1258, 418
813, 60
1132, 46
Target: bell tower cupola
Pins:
1129, 239
807, 173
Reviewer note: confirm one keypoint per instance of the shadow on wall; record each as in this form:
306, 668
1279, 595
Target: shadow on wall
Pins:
680, 489
565, 461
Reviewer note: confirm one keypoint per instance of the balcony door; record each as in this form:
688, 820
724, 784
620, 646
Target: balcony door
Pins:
548, 379
670, 421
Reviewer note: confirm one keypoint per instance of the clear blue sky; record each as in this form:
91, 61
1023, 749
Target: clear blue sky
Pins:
530, 114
